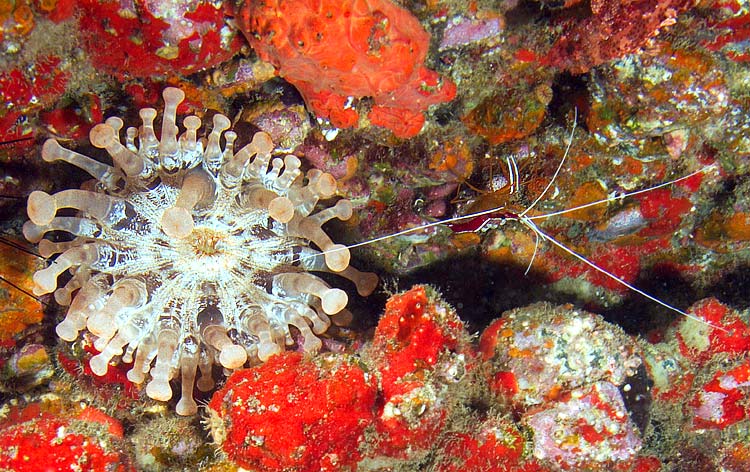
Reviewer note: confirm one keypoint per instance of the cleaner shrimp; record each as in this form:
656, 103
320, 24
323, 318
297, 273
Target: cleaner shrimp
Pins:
491, 213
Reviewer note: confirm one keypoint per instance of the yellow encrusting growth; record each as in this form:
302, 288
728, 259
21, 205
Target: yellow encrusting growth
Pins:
188, 255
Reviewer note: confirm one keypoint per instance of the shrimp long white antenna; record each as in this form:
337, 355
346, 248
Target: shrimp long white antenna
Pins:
528, 221
490, 211
533, 227
514, 178
432, 224
559, 166
622, 196
549, 185
533, 255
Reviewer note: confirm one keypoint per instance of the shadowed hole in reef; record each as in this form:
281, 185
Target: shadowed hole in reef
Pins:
478, 289
481, 290
637, 397
733, 288
638, 315
569, 93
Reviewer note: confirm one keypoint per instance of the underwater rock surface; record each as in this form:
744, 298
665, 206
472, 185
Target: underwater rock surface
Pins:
495, 341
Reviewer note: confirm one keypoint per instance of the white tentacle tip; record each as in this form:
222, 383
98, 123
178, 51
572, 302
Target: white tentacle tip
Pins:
41, 208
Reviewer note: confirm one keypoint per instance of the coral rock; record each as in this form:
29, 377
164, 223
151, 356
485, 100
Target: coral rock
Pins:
614, 28
338, 52
510, 114
590, 429
294, 414
539, 352
668, 93
723, 400
421, 352
151, 39
32, 439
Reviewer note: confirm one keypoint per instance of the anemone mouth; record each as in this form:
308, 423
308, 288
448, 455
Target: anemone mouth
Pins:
202, 257
207, 242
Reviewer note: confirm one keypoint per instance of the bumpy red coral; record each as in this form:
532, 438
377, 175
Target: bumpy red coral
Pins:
336, 52
32, 439
25, 90
294, 414
699, 342
615, 28
419, 350
495, 445
147, 39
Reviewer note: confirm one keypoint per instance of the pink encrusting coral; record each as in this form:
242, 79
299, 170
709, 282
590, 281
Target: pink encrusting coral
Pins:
337, 53
539, 352
722, 401
561, 370
589, 429
188, 255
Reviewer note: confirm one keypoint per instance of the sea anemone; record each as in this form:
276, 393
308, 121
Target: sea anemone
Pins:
186, 255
